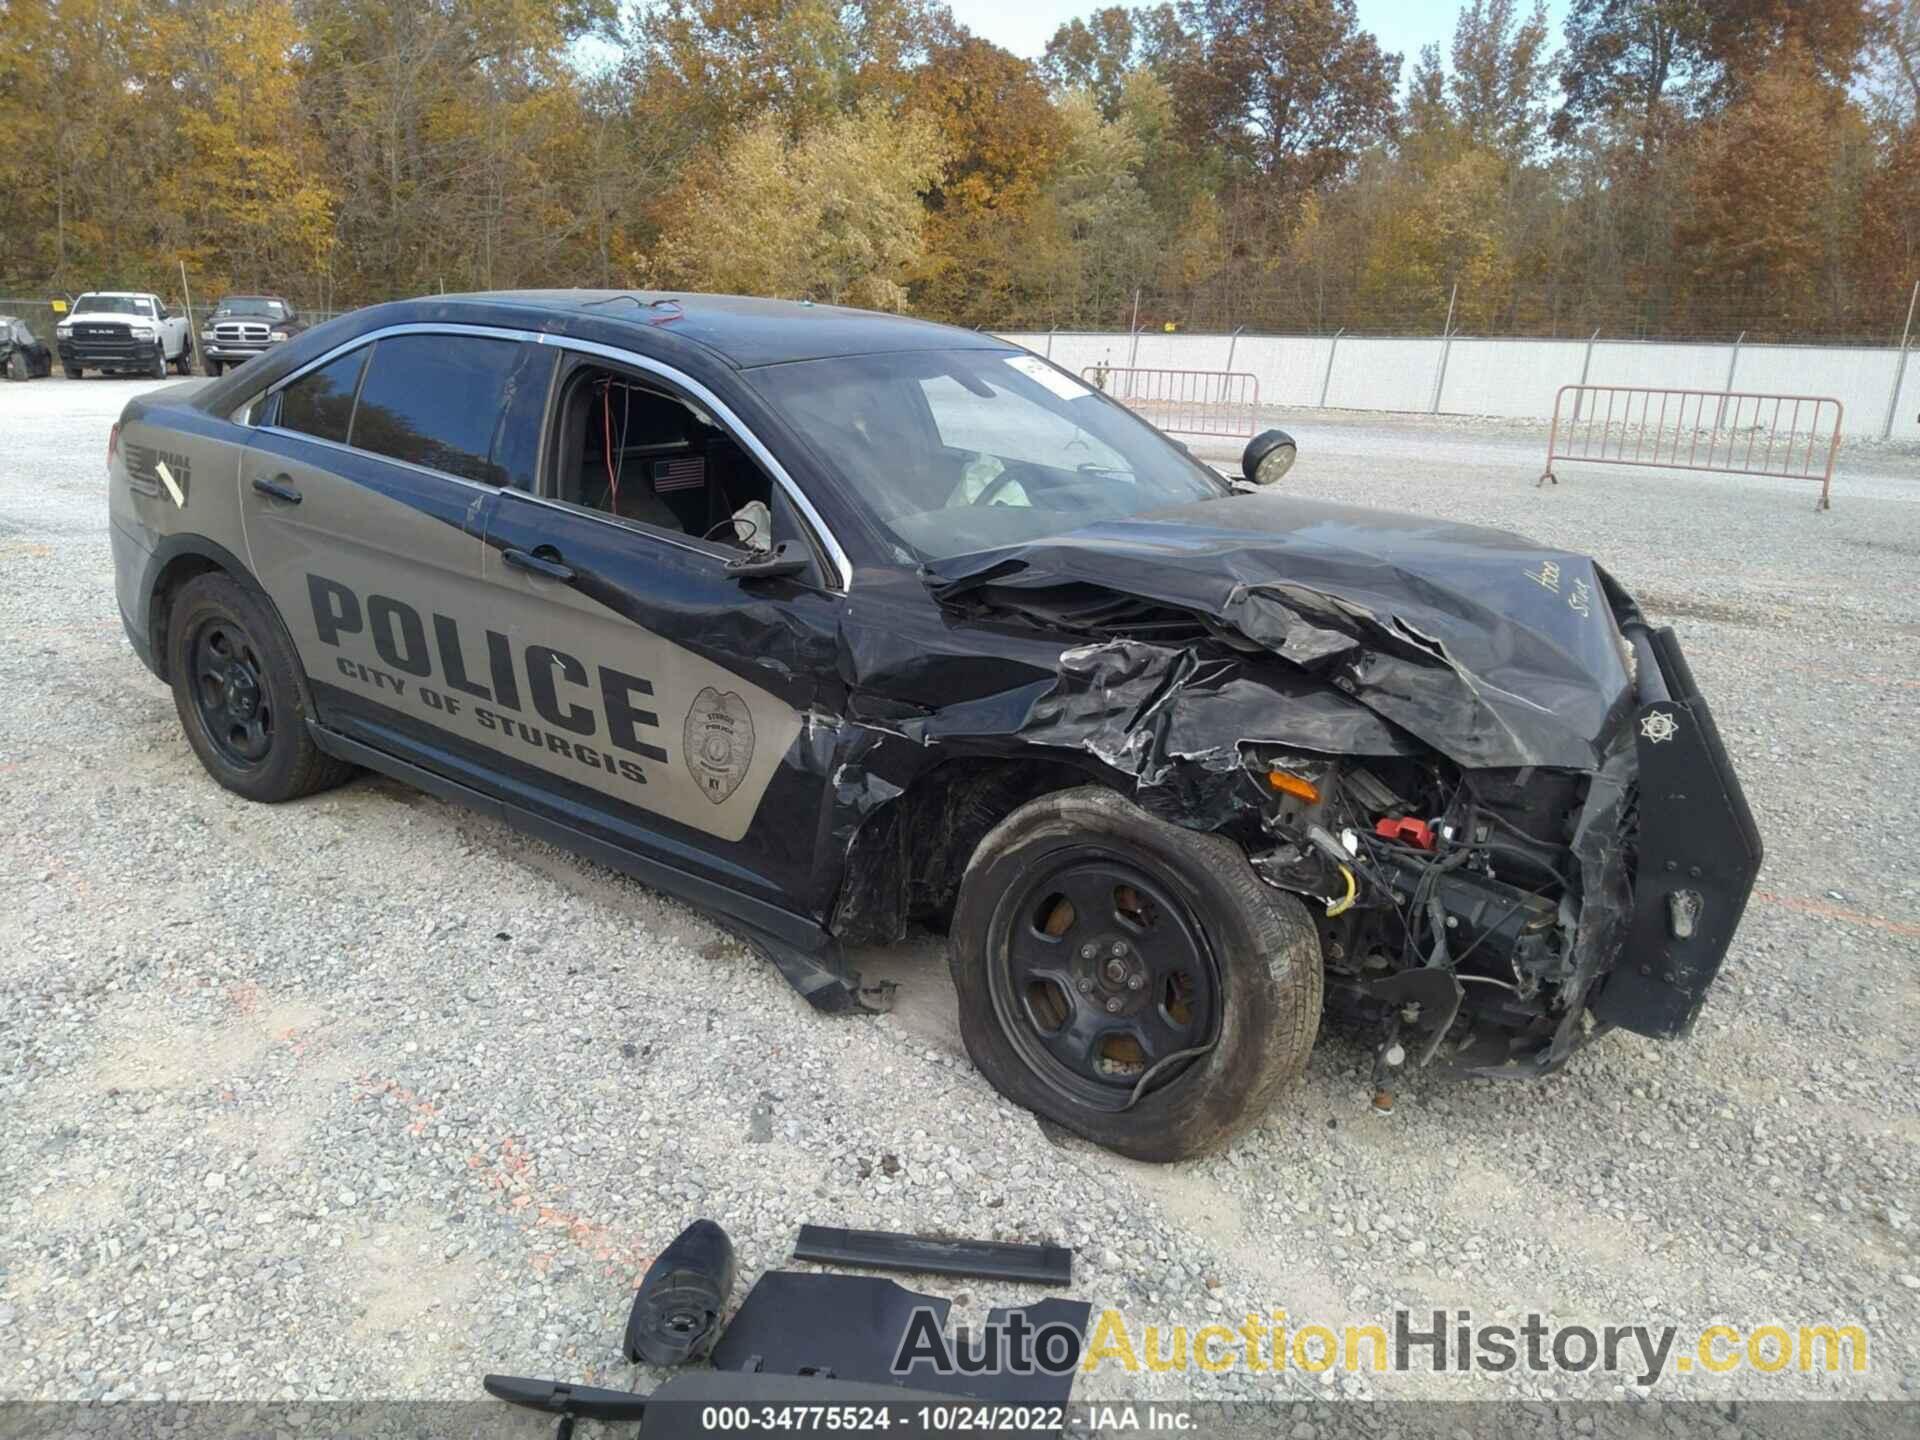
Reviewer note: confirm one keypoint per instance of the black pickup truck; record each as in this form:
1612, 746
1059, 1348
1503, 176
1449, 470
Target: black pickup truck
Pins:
243, 326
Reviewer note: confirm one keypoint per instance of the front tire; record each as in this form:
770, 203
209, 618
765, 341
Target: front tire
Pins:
211, 368
237, 689
17, 367
1130, 980
72, 372
157, 368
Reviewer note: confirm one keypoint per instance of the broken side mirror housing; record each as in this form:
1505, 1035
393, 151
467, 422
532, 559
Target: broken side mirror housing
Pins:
784, 559
1268, 457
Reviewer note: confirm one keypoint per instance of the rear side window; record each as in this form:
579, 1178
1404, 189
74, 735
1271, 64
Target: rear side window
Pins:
439, 401
320, 403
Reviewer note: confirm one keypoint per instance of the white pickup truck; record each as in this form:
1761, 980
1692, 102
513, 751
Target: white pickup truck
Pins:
126, 331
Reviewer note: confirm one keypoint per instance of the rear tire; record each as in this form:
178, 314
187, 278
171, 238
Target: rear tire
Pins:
183, 362
236, 686
1217, 952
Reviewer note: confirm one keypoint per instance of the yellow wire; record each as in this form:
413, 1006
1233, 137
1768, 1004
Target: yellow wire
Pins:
1345, 902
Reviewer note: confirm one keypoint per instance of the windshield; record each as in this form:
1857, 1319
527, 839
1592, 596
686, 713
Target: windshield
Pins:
961, 450
110, 305
251, 305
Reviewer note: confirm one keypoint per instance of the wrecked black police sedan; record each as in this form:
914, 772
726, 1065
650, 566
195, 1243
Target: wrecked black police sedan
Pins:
831, 622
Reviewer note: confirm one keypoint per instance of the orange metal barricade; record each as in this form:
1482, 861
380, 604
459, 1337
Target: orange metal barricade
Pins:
1192, 402
1726, 432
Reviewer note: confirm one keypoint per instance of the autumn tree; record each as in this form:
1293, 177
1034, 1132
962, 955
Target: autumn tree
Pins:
1290, 90
1761, 169
835, 215
1097, 54
1501, 75
1000, 136
725, 63
1641, 58
249, 181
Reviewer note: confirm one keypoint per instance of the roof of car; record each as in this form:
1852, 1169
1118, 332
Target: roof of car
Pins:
748, 330
117, 294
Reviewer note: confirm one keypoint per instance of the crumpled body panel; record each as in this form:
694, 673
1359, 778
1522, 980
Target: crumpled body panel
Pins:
1490, 649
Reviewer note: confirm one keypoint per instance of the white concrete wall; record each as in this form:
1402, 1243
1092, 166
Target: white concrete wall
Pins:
1508, 377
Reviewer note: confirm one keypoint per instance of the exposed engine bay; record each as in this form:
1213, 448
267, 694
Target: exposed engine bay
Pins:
1447, 895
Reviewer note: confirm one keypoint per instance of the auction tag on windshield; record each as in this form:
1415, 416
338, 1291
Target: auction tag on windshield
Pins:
1034, 368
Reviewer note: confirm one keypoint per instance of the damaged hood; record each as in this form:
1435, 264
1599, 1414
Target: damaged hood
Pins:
1491, 649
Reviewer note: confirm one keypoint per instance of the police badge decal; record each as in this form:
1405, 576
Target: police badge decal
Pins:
719, 742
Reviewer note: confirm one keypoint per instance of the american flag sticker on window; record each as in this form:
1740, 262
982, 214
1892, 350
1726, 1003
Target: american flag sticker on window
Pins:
689, 472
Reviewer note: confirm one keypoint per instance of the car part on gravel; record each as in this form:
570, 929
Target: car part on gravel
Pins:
870, 1330
676, 1313
796, 1323
569, 1402
1042, 1385
926, 1255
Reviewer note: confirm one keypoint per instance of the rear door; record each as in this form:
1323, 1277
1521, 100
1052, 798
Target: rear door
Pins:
365, 492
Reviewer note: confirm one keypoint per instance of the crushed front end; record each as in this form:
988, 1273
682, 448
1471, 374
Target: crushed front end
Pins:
1494, 919
1499, 783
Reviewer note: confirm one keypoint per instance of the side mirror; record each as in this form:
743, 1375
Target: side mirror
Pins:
784, 559
1268, 457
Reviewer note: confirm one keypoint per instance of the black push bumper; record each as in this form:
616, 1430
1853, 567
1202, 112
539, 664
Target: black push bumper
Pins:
1698, 852
104, 354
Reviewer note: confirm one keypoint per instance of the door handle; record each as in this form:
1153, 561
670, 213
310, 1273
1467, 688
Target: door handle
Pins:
279, 488
547, 566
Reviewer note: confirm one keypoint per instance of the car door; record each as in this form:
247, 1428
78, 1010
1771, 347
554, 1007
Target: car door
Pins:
364, 494
665, 704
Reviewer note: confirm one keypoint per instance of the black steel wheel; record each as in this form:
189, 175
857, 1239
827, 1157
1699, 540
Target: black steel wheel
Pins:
1128, 979
239, 694
1105, 980
231, 692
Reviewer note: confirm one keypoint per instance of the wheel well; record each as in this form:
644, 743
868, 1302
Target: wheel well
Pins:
178, 572
907, 859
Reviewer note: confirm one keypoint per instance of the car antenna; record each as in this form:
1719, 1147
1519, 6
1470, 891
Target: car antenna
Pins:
653, 304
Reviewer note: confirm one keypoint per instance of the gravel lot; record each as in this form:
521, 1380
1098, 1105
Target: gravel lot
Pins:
362, 1096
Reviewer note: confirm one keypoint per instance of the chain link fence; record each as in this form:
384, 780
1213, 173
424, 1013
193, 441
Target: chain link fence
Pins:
1293, 301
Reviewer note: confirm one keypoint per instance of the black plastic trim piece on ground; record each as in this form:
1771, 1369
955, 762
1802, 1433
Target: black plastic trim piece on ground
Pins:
676, 1313
981, 1259
557, 1397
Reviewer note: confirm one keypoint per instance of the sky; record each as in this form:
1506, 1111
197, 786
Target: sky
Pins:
1025, 26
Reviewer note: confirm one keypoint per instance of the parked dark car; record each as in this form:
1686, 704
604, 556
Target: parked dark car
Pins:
243, 326
832, 622
23, 355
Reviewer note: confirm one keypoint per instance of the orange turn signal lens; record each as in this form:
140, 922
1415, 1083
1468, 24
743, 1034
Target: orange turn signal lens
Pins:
1294, 785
